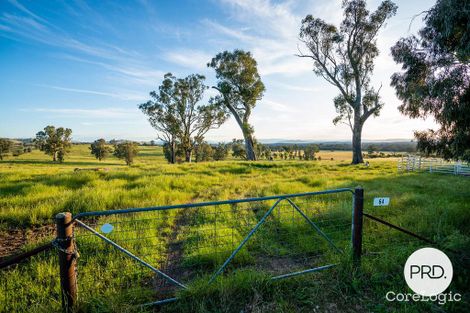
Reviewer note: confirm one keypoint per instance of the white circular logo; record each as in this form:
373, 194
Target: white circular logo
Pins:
428, 271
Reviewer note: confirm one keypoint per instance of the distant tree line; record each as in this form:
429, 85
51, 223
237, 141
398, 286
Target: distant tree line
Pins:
57, 142
282, 151
13, 147
292, 152
399, 146
273, 152
125, 150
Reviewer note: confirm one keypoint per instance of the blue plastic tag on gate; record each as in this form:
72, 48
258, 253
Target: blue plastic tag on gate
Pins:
107, 228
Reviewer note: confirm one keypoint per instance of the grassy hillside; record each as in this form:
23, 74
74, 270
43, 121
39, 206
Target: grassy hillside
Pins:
33, 190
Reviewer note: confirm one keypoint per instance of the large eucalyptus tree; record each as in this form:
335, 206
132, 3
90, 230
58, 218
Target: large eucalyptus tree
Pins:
435, 78
179, 117
240, 86
55, 142
344, 57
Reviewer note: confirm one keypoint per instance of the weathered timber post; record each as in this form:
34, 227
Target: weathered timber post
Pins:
67, 260
357, 225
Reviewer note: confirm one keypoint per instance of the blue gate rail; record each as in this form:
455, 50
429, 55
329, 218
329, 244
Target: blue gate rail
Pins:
202, 204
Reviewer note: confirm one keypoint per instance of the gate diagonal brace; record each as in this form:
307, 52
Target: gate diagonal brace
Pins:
234, 253
255, 228
165, 276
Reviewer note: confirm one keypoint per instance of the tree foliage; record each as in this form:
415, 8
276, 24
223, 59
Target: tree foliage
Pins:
169, 152
238, 149
371, 149
204, 152
55, 142
240, 87
344, 57
435, 80
262, 151
18, 148
309, 152
127, 151
5, 147
221, 151
176, 114
100, 149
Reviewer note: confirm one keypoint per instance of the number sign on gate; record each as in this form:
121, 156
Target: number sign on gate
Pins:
381, 201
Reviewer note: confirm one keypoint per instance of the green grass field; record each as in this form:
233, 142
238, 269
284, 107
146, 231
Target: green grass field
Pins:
33, 190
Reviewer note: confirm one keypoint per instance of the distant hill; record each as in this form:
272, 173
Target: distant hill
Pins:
391, 146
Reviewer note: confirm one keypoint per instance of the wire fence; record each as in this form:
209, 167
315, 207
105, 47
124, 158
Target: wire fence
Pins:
414, 163
144, 256
190, 243
390, 234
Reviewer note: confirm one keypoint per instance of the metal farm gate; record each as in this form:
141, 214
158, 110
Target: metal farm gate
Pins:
145, 255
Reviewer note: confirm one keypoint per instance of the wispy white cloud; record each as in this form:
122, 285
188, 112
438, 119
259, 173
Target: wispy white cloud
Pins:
108, 113
26, 25
96, 123
269, 30
234, 33
22, 8
34, 30
6, 28
265, 16
193, 59
297, 87
22, 23
128, 48
122, 96
100, 22
277, 106
330, 11
132, 72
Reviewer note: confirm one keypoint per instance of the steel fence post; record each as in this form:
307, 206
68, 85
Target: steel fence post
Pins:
67, 260
357, 225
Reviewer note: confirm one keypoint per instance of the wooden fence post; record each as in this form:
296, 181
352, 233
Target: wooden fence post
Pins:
357, 225
67, 260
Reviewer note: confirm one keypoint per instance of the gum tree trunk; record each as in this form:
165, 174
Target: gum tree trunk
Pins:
249, 147
173, 152
188, 155
249, 144
356, 143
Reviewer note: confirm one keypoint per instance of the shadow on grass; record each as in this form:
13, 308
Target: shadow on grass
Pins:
73, 163
150, 154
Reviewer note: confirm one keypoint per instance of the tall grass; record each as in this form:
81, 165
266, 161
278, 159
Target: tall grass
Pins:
33, 190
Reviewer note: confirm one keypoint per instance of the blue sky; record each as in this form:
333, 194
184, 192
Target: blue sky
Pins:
88, 64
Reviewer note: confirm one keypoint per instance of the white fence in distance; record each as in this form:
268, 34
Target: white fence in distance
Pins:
415, 163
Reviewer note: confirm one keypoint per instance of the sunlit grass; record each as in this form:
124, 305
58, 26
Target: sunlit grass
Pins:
33, 190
